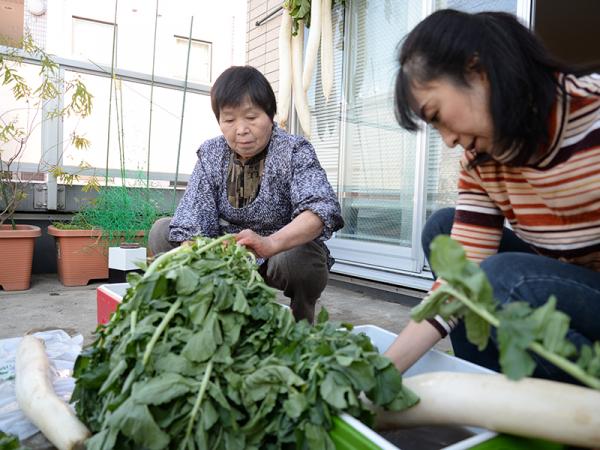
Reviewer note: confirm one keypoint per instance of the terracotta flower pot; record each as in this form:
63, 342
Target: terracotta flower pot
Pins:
81, 255
16, 256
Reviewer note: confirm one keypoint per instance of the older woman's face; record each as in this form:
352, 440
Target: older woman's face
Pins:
247, 128
461, 114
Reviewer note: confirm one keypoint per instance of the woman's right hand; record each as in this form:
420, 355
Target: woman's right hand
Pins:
471, 155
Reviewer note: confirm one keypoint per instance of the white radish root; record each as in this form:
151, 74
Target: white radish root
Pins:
530, 407
285, 68
39, 402
312, 44
300, 100
326, 49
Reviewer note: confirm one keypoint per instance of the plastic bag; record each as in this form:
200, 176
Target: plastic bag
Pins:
62, 350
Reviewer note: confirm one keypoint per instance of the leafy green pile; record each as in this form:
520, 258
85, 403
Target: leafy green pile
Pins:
520, 328
9, 442
199, 355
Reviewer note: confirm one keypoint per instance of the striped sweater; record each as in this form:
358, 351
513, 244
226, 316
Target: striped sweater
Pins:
553, 205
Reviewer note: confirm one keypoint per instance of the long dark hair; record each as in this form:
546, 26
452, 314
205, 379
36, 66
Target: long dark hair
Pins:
522, 75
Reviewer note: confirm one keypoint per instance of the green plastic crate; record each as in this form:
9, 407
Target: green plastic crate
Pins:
350, 434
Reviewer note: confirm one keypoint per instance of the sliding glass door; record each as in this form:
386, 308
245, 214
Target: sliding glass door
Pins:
388, 180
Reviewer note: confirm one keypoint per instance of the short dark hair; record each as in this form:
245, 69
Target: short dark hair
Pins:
240, 82
521, 73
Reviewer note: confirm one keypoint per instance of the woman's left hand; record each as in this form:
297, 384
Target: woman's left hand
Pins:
261, 246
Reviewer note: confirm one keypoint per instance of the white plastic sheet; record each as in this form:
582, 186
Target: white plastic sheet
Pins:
62, 350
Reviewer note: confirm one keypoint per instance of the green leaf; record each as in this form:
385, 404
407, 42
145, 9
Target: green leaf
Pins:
270, 377
187, 280
430, 305
105, 440
515, 332
388, 383
323, 316
448, 259
317, 437
240, 303
335, 389
208, 414
136, 422
478, 330
295, 404
115, 375
162, 389
203, 344
361, 374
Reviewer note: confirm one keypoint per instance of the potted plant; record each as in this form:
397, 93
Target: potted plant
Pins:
17, 241
118, 214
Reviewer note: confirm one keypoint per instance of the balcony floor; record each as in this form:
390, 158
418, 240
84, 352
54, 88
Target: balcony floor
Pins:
50, 305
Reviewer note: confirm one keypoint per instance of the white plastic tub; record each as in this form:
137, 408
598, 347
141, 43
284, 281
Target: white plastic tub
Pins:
432, 361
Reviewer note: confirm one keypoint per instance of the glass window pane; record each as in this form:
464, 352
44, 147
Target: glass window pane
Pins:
443, 162
199, 66
92, 41
326, 115
129, 129
83, 30
379, 161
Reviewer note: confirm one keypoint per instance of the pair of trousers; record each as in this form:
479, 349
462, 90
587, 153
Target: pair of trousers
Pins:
301, 272
517, 273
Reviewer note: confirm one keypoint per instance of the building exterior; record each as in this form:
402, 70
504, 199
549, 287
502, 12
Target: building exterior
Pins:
388, 180
151, 40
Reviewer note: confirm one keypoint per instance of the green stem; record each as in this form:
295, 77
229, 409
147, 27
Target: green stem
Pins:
481, 312
161, 327
158, 262
563, 363
133, 321
197, 403
571, 368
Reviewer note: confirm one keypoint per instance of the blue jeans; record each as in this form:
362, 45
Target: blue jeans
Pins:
517, 273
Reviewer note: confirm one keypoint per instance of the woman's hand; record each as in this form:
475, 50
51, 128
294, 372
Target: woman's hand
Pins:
261, 246
471, 155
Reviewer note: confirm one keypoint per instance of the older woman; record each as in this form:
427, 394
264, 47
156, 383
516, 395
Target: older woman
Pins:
531, 131
265, 186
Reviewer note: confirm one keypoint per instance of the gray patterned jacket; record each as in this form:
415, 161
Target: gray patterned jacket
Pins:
293, 182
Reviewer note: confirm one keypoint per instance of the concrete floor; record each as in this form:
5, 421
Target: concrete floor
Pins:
50, 305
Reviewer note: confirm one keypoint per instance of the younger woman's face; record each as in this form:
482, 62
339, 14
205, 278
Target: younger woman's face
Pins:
461, 114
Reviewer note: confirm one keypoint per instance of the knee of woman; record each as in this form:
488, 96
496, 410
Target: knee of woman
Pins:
502, 275
160, 226
158, 235
440, 222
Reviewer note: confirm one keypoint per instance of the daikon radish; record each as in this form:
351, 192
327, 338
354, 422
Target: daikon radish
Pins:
285, 68
530, 407
39, 402
300, 101
312, 44
326, 49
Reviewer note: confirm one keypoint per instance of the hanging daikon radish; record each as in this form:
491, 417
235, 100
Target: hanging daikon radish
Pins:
39, 402
285, 68
312, 45
326, 49
530, 407
300, 100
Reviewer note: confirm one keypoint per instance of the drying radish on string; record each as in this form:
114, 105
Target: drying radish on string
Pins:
316, 16
285, 68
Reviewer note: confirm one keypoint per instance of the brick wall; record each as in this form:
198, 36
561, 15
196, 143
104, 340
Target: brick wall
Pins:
262, 40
